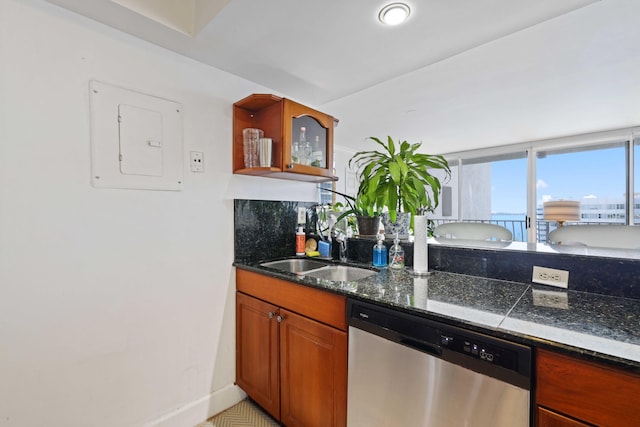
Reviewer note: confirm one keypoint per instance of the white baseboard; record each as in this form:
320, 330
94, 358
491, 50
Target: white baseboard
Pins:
193, 413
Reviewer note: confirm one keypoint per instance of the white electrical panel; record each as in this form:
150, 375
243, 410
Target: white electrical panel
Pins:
136, 140
140, 141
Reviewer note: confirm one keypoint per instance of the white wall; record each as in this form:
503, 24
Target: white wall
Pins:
573, 74
116, 306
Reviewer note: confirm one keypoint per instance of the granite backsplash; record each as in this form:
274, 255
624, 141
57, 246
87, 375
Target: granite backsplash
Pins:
266, 230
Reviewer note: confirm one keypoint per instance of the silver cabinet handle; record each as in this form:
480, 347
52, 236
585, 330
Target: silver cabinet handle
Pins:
280, 318
271, 314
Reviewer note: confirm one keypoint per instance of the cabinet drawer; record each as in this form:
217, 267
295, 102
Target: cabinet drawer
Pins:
587, 391
547, 418
317, 304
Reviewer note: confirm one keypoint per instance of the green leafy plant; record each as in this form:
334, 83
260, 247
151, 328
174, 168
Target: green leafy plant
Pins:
356, 208
397, 177
360, 205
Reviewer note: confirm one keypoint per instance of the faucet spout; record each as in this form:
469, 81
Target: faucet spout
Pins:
341, 238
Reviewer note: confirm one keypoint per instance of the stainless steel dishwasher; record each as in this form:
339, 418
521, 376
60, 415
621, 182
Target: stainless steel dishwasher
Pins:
405, 370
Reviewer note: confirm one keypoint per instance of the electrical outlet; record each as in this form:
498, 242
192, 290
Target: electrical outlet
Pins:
550, 276
197, 161
553, 299
302, 215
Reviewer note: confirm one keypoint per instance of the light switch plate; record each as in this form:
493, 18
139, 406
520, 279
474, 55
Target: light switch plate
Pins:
302, 215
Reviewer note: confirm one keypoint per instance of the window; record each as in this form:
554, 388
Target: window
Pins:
493, 189
636, 180
508, 185
326, 195
447, 209
593, 175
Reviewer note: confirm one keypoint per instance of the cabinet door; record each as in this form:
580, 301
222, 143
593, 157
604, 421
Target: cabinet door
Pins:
596, 394
548, 418
319, 136
314, 373
257, 367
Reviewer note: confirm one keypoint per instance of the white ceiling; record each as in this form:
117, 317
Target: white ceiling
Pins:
318, 51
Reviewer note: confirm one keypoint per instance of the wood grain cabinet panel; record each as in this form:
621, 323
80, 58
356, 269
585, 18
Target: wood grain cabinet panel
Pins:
257, 352
547, 418
291, 364
592, 393
314, 303
314, 373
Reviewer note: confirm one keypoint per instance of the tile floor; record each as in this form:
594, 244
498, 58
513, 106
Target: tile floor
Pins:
244, 414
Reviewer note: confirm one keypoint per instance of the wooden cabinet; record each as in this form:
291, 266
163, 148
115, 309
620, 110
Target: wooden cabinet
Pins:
313, 370
291, 350
257, 352
571, 392
281, 120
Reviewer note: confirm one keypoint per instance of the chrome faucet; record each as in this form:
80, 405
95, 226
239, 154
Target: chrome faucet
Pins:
341, 238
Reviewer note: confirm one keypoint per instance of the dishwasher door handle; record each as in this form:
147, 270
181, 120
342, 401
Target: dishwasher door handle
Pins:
421, 346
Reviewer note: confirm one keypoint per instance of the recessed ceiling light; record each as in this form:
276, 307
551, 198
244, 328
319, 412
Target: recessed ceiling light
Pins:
394, 13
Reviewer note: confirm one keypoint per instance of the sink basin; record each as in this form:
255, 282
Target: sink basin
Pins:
320, 270
294, 265
341, 273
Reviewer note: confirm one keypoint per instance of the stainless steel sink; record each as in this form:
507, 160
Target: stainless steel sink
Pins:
320, 270
341, 273
295, 265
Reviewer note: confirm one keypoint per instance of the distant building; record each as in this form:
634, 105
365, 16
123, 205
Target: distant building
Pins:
608, 210
596, 210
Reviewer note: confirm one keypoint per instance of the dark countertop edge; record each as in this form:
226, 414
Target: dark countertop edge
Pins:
537, 342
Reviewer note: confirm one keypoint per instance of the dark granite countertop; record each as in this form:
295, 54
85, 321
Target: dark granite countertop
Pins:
598, 327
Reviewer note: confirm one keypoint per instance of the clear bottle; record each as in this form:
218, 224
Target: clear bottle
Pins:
317, 157
396, 254
304, 149
380, 253
295, 152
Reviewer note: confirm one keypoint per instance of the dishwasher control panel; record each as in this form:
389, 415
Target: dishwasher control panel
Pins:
480, 349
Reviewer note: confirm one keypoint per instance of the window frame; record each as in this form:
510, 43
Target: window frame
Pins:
630, 136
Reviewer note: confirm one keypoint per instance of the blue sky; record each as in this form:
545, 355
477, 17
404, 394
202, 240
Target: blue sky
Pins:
572, 176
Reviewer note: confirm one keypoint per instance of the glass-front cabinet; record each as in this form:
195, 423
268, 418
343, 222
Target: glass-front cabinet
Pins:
280, 138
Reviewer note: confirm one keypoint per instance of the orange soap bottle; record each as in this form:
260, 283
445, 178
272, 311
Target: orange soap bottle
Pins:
300, 241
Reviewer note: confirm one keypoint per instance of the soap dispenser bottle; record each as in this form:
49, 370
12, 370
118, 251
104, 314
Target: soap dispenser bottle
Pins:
396, 254
300, 241
380, 253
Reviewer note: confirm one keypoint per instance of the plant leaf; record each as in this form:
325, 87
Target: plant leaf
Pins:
394, 172
391, 146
